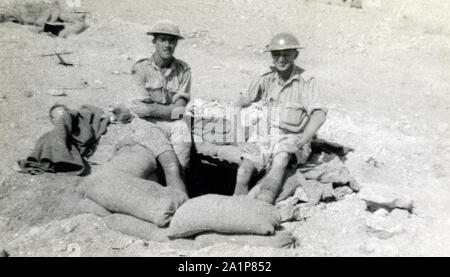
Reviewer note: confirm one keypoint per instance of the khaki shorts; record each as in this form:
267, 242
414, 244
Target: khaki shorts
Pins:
262, 151
162, 136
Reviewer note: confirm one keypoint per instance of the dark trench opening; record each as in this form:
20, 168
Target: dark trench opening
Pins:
208, 175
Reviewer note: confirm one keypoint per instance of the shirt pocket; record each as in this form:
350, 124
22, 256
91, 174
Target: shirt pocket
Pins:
172, 85
153, 84
292, 114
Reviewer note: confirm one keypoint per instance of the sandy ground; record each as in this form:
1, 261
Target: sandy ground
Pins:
384, 76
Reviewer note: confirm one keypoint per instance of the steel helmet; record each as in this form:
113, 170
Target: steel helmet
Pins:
283, 41
165, 27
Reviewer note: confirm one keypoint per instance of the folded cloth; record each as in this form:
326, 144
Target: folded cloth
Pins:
55, 152
330, 169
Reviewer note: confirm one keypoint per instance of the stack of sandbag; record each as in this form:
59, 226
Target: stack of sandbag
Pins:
120, 187
215, 219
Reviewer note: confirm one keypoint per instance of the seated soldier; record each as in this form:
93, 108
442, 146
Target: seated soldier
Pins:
294, 115
160, 94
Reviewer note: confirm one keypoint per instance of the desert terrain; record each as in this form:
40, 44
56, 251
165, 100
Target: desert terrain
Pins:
383, 72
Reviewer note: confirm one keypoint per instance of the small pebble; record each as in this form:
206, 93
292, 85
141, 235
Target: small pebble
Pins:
56, 92
29, 94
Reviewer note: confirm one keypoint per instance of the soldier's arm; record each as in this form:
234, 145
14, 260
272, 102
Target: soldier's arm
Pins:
169, 112
316, 120
252, 94
316, 110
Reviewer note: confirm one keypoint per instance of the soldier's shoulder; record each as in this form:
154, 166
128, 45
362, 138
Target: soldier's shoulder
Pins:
305, 75
139, 65
184, 66
265, 73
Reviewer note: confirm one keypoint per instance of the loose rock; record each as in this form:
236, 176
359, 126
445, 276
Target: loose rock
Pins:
400, 214
56, 92
383, 227
301, 195
305, 210
341, 192
286, 211
378, 197
379, 249
381, 212
28, 94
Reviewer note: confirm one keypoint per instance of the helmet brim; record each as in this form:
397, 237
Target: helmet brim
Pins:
282, 48
151, 33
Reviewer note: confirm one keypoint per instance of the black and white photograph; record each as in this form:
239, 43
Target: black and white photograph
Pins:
224, 128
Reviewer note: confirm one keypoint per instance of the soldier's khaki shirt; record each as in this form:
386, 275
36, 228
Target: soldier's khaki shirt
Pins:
163, 86
291, 104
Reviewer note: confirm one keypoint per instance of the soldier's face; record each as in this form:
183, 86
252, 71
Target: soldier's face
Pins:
165, 45
284, 60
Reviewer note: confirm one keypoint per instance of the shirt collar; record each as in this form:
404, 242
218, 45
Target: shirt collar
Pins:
295, 74
171, 67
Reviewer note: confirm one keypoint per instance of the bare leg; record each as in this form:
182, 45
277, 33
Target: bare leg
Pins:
172, 172
243, 177
270, 186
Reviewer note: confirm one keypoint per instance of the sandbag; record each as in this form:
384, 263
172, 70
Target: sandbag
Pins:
122, 193
132, 158
86, 205
281, 239
224, 214
133, 226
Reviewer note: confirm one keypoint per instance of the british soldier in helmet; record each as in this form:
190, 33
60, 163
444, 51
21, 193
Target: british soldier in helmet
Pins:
161, 92
295, 114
